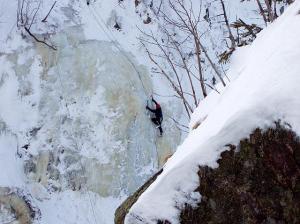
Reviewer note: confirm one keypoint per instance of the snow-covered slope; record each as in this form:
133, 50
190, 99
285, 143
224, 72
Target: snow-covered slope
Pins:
263, 89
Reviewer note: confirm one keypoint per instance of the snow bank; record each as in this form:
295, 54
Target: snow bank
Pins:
264, 89
74, 207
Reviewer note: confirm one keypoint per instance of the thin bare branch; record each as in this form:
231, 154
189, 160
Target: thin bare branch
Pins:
33, 18
213, 65
177, 90
38, 40
262, 12
231, 37
45, 19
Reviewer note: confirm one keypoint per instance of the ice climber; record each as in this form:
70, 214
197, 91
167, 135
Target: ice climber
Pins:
158, 116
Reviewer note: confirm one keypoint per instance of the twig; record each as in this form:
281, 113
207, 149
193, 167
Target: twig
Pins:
176, 122
157, 94
262, 12
231, 37
33, 18
159, 7
213, 65
212, 88
44, 20
38, 40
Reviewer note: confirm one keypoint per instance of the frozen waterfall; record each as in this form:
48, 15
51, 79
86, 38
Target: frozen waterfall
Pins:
80, 120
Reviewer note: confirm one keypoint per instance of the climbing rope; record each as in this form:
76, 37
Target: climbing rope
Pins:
113, 39
117, 45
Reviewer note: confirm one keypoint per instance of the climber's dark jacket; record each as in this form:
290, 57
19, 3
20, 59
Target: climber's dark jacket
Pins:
157, 111
158, 116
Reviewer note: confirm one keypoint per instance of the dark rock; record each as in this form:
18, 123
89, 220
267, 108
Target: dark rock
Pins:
259, 183
25, 146
137, 2
148, 20
123, 209
117, 26
34, 131
163, 222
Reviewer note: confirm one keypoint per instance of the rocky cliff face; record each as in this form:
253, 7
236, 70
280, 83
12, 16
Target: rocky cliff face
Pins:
123, 209
257, 181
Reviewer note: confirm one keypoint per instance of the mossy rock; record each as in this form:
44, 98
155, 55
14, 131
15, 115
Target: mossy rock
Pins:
257, 181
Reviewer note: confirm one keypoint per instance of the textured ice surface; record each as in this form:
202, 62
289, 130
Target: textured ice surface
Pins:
77, 119
97, 107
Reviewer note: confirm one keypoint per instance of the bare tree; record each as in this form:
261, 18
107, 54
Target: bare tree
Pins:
268, 8
189, 21
262, 12
27, 16
182, 52
175, 83
231, 37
